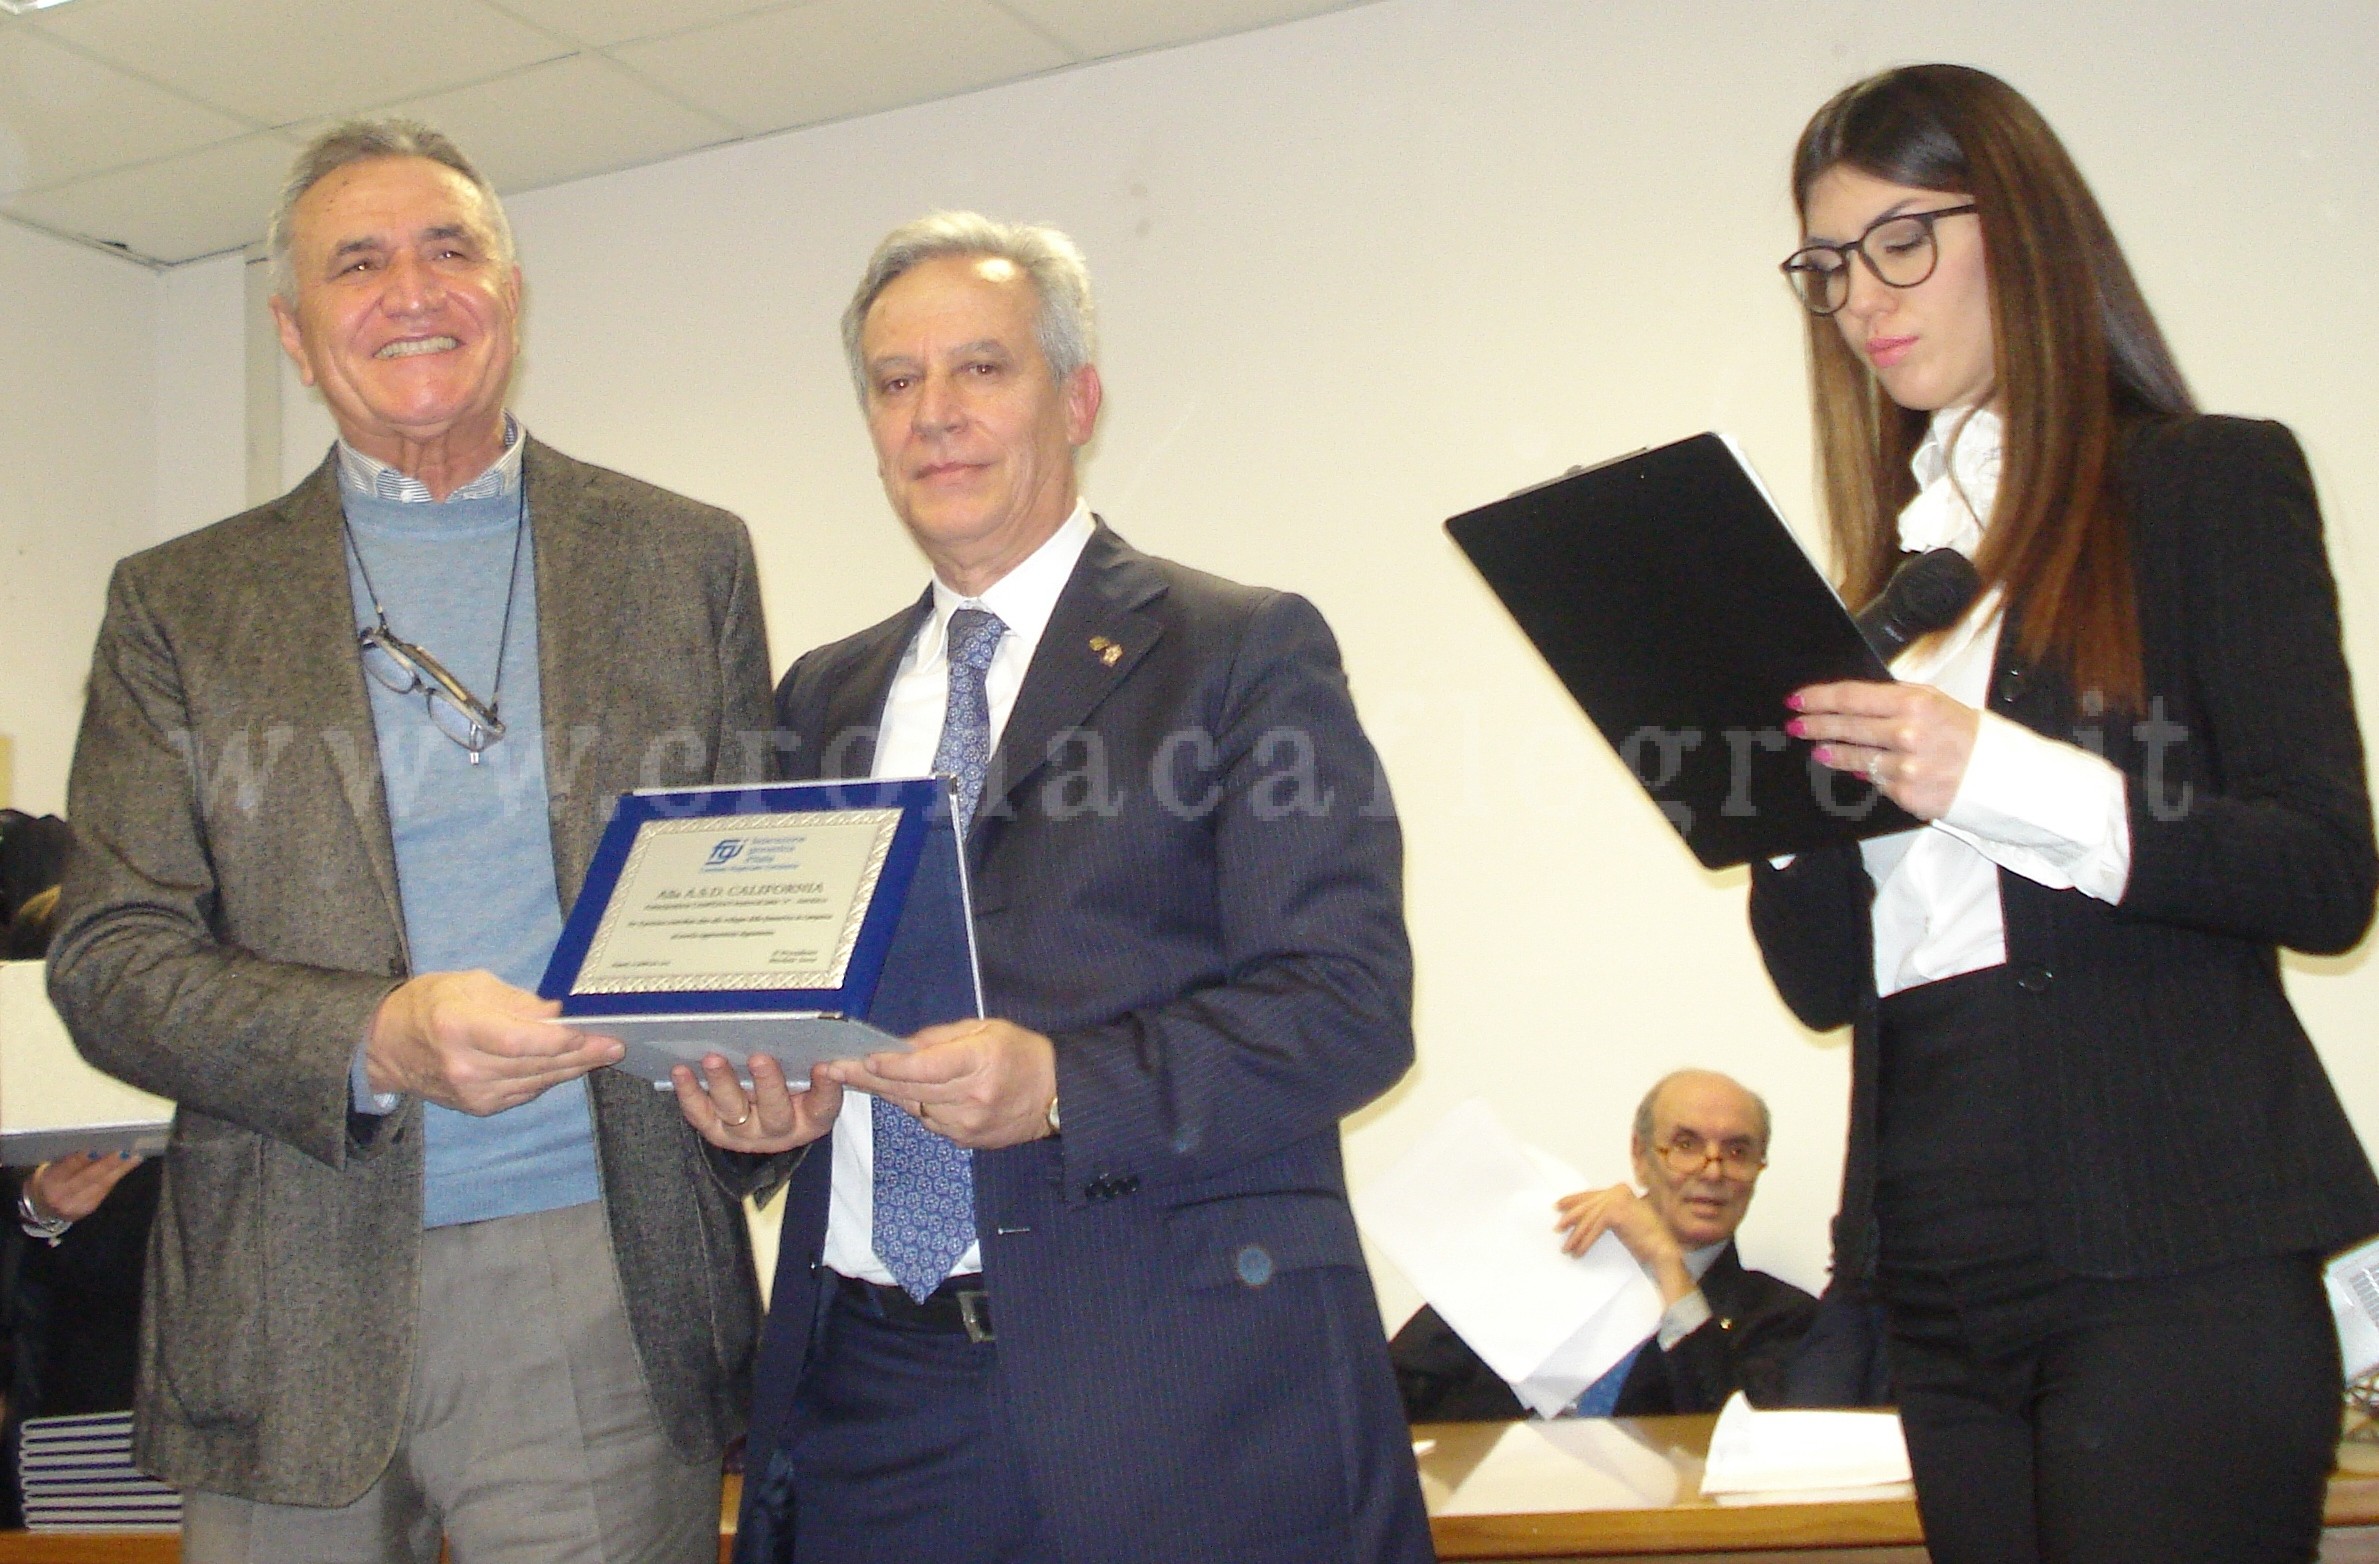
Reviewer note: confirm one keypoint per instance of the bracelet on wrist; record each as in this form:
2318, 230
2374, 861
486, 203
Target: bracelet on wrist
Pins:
47, 1228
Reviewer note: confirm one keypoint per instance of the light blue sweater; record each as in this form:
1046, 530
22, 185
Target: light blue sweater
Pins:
474, 852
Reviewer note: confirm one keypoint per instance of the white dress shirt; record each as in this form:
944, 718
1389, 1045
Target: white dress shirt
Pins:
2036, 806
1024, 599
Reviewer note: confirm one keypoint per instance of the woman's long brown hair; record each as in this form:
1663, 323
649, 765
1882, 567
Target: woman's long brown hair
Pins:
2078, 356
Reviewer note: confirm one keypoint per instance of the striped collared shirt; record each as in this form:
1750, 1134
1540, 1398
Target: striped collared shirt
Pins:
366, 475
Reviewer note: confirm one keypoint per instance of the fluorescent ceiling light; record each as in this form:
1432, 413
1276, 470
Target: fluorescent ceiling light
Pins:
20, 7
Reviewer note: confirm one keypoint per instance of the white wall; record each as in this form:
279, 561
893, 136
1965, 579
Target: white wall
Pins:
1366, 271
77, 338
118, 428
201, 395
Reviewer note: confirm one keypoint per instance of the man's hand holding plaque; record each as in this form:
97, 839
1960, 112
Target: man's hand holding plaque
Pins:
770, 1117
981, 1083
472, 1042
984, 1084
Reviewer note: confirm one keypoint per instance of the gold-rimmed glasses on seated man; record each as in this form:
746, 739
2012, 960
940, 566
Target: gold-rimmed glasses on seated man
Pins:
1899, 249
399, 665
1687, 1153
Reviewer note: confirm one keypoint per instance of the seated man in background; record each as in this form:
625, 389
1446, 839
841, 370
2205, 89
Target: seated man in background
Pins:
1700, 1142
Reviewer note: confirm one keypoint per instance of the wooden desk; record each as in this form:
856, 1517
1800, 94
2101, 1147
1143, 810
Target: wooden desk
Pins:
1627, 1488
1608, 1492
1630, 1489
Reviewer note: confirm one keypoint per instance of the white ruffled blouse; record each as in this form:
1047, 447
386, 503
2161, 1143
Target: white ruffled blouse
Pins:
2035, 806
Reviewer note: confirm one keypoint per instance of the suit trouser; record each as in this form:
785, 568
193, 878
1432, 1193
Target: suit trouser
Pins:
900, 1449
528, 1432
2162, 1420
2063, 1418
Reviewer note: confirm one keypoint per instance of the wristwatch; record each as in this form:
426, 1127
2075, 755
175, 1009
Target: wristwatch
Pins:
47, 1228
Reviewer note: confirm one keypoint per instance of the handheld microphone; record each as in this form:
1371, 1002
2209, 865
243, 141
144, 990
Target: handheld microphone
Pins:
1926, 594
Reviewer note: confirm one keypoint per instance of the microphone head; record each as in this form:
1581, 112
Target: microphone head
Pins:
1926, 594
1934, 590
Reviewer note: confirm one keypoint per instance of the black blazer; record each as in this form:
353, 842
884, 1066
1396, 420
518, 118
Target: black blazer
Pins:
1755, 1323
2175, 1113
1187, 874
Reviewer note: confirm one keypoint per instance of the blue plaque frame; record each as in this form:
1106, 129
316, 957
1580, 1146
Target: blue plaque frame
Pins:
912, 964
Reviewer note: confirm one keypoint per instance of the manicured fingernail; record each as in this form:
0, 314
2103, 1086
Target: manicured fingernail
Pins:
1794, 700
1797, 728
1824, 754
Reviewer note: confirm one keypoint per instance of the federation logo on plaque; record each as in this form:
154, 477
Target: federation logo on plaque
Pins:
722, 852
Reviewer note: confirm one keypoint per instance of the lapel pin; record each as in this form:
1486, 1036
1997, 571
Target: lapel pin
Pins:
1109, 652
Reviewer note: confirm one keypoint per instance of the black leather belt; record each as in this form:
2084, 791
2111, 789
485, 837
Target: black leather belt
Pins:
958, 1307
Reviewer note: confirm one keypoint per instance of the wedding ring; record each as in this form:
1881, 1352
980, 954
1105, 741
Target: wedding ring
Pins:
1875, 768
736, 1124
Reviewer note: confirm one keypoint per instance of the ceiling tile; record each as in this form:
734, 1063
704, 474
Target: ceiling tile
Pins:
830, 59
278, 61
1098, 28
583, 115
596, 23
176, 209
63, 116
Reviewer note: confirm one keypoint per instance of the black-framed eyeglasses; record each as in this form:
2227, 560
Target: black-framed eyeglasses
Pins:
1900, 250
1687, 1154
397, 664
407, 668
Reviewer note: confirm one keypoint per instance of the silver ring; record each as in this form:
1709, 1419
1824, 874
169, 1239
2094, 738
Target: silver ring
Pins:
736, 1124
1875, 768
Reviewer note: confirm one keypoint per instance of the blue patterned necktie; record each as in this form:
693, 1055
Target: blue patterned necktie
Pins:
1601, 1398
925, 1188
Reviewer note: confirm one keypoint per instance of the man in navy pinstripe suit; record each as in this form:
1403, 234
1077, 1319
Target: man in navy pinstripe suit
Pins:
1156, 1339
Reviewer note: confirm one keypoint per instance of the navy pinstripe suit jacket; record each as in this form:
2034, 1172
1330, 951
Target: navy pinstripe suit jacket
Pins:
1187, 873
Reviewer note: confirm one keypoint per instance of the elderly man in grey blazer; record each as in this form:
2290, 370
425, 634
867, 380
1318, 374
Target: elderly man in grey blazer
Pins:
420, 1265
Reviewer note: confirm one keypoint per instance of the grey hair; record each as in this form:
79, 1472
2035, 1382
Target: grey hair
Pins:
1643, 1126
359, 141
1052, 262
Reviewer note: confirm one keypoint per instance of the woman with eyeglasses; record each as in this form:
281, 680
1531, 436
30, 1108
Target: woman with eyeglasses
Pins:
2095, 1164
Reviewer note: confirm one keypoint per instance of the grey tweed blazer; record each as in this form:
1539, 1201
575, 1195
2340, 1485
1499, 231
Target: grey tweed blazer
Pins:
230, 922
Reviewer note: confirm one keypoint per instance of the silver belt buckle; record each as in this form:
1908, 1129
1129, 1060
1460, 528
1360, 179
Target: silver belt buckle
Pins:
974, 1312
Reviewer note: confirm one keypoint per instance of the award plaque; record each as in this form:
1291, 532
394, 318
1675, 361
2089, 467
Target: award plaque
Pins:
807, 921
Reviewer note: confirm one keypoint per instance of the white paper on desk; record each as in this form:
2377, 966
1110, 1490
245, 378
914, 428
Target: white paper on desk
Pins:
2353, 1283
1578, 1463
1467, 1215
1782, 1452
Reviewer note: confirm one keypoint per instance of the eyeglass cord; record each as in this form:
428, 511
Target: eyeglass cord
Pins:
520, 519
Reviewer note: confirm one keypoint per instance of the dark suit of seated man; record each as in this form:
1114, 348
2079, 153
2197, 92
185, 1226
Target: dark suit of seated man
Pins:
1700, 1142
